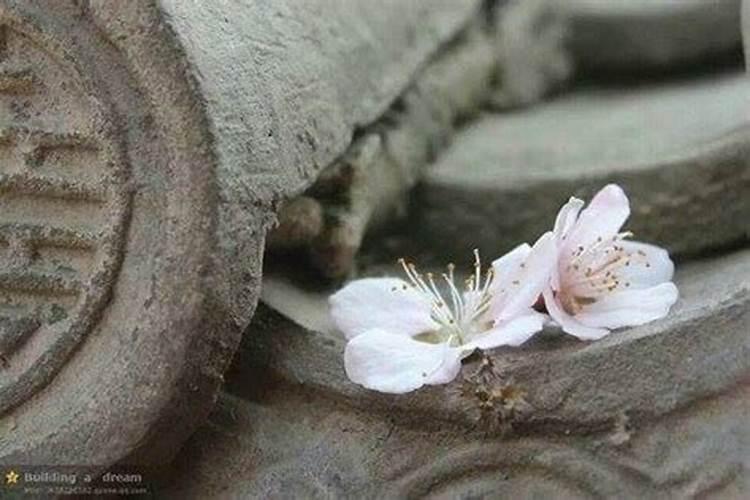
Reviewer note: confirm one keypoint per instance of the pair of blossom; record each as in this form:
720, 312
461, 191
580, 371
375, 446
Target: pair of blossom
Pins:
585, 273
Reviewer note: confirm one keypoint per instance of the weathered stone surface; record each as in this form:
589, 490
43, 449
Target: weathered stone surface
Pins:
511, 55
651, 412
372, 180
144, 147
296, 339
746, 32
650, 34
681, 150
533, 58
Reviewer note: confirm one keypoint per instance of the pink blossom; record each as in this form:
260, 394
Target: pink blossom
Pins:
406, 334
601, 279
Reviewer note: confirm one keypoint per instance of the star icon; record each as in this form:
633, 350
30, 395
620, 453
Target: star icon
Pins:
11, 477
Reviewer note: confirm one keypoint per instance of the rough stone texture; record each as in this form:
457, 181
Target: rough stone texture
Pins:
656, 411
680, 149
533, 58
638, 35
144, 147
372, 180
511, 55
746, 32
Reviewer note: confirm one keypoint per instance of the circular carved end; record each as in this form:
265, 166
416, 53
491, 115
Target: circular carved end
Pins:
114, 328
63, 212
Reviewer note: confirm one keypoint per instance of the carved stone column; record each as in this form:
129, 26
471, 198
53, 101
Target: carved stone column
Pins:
144, 148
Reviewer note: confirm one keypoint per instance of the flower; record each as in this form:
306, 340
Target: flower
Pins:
405, 334
602, 280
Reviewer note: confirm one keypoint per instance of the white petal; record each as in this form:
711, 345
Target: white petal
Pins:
513, 333
518, 288
603, 218
568, 323
396, 364
649, 266
387, 303
630, 307
509, 265
567, 217
507, 272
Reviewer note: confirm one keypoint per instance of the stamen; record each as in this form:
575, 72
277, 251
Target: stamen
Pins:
458, 315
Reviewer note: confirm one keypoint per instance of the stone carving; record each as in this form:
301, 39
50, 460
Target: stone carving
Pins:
57, 270
650, 412
141, 163
145, 150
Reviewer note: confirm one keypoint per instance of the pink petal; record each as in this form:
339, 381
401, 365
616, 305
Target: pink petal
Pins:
567, 217
396, 364
630, 307
649, 266
387, 303
513, 333
519, 287
603, 218
568, 323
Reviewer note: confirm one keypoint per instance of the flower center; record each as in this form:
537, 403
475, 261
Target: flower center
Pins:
597, 270
458, 316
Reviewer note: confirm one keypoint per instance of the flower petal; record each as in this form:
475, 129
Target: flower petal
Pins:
519, 284
630, 307
513, 333
567, 217
508, 266
396, 364
649, 266
568, 323
605, 215
387, 303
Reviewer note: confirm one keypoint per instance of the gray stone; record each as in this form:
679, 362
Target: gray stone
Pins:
640, 35
746, 32
533, 58
650, 412
372, 181
681, 151
144, 149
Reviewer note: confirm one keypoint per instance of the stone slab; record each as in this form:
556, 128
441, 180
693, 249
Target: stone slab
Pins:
571, 383
680, 149
643, 35
652, 412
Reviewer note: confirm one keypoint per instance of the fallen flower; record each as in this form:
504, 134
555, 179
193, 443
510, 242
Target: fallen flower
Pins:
403, 335
601, 280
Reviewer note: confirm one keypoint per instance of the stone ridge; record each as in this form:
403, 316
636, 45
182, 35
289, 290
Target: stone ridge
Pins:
681, 151
568, 384
672, 399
